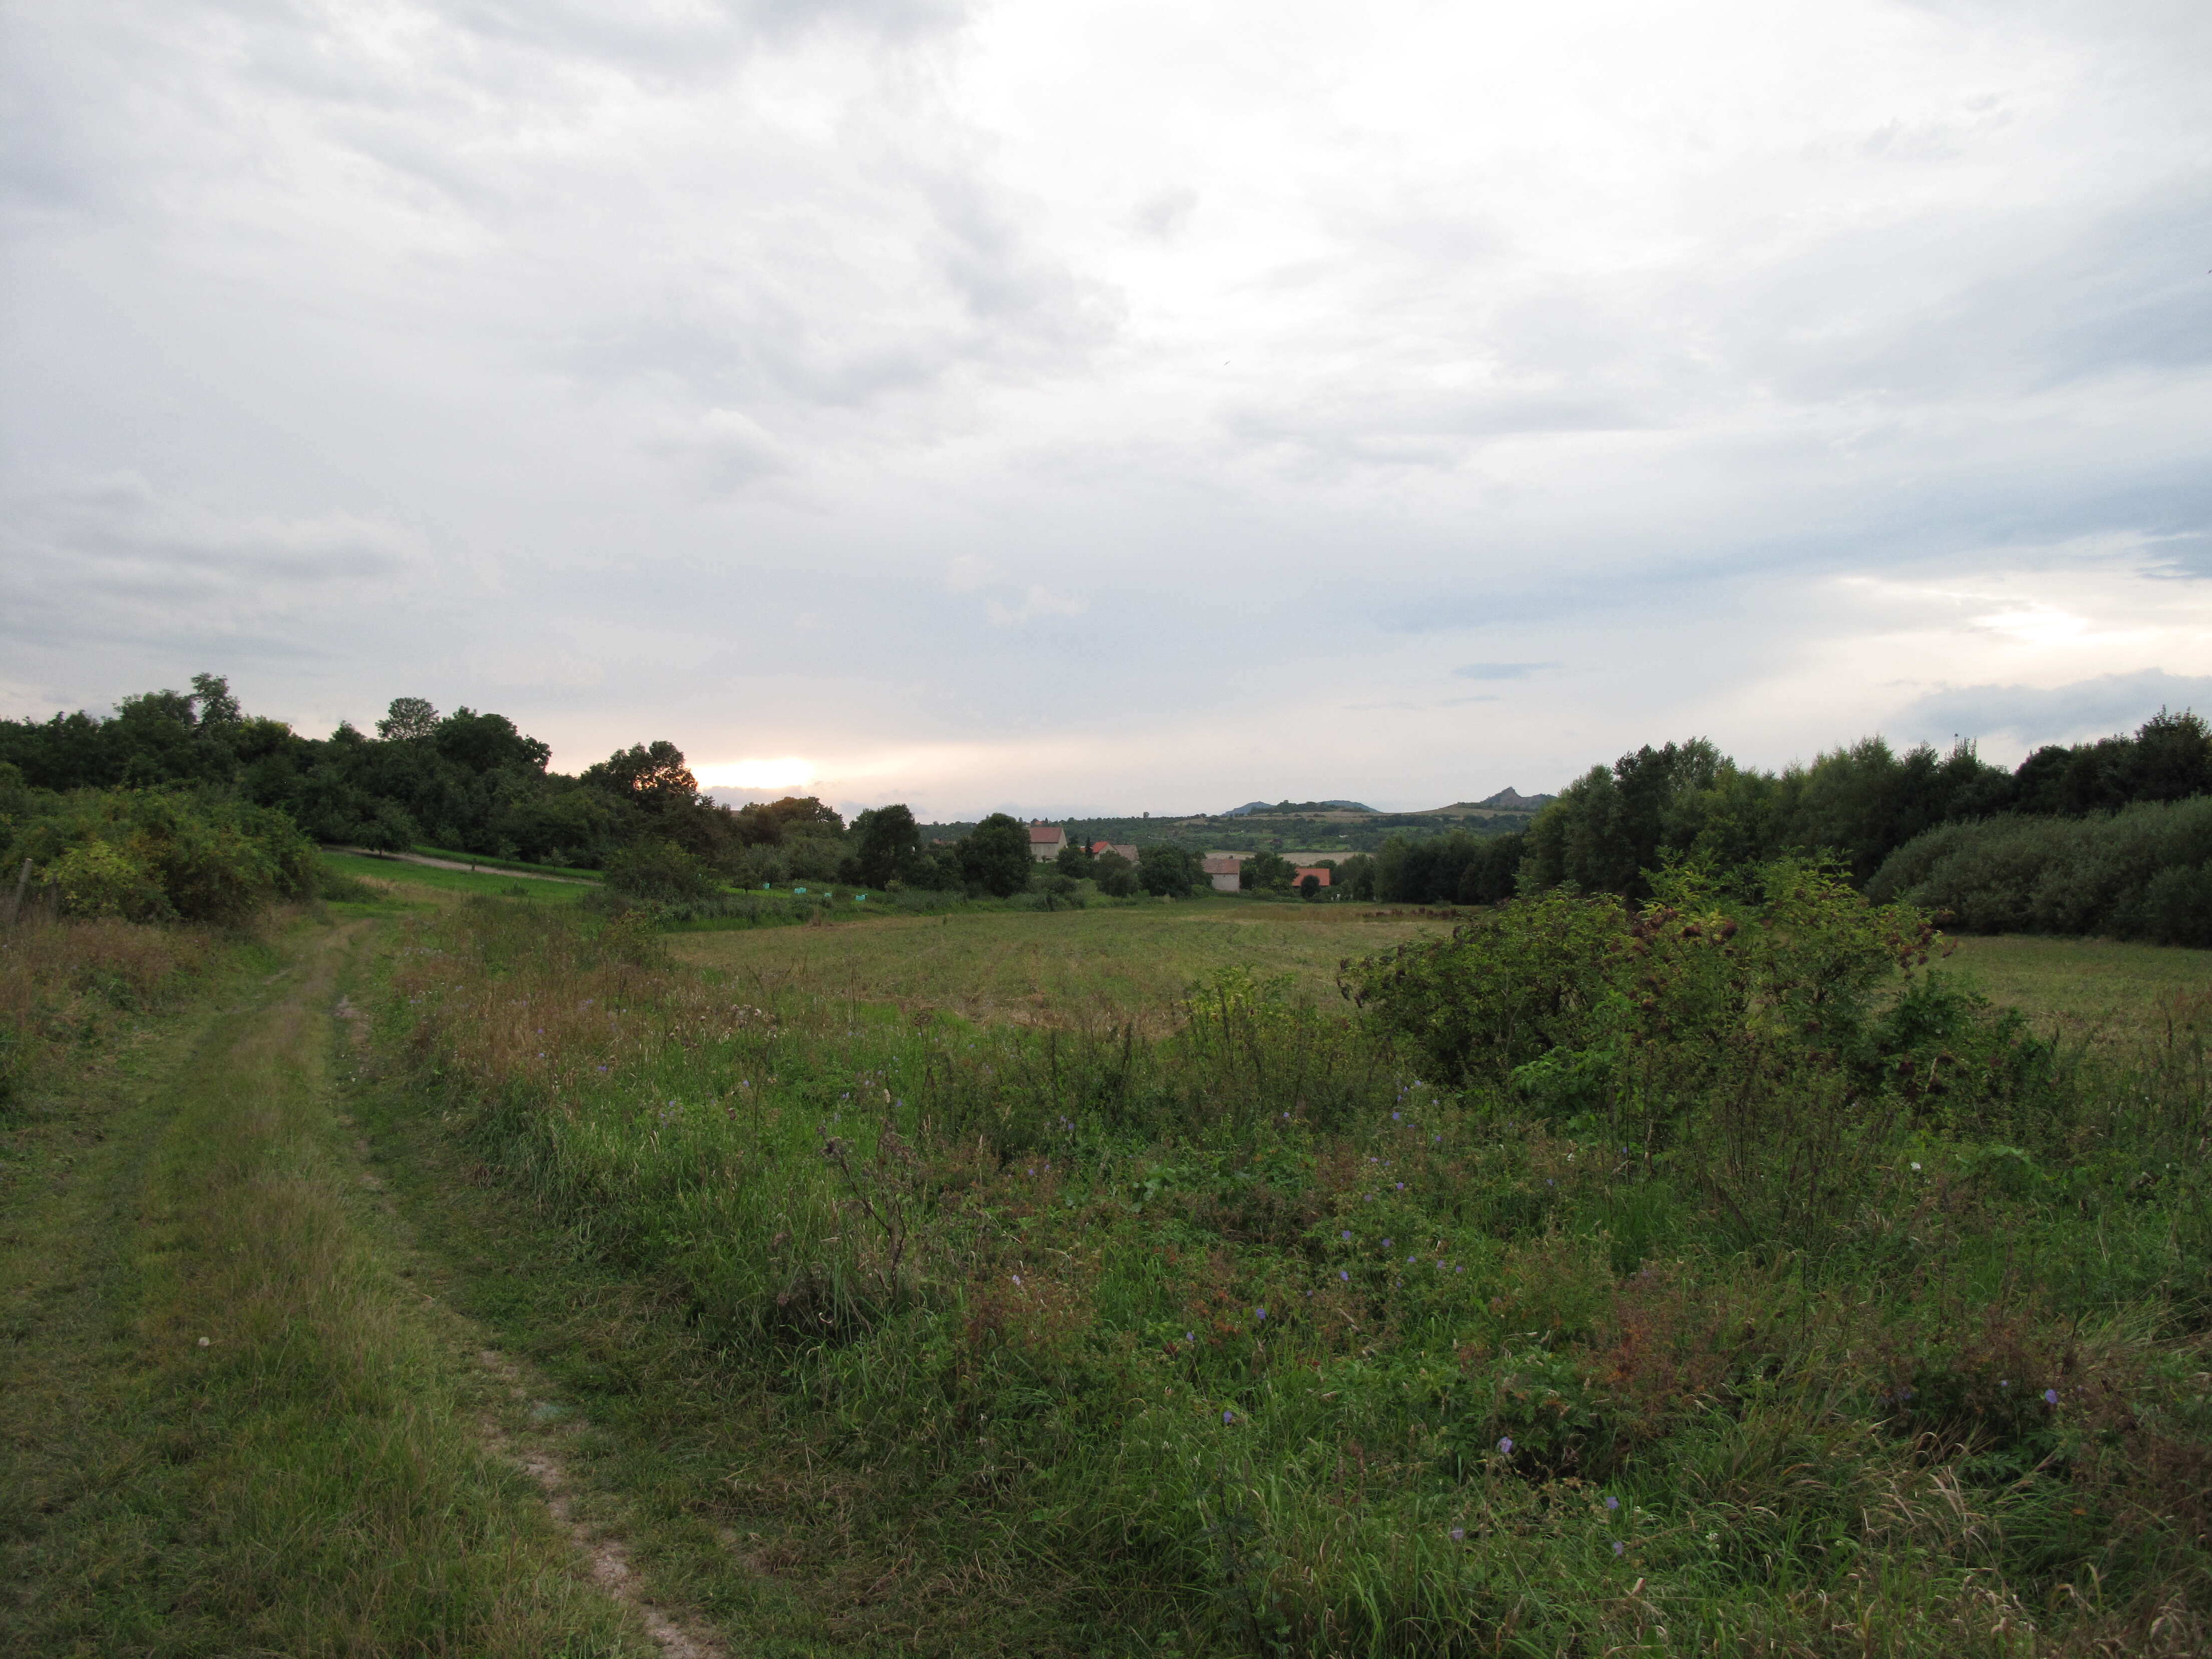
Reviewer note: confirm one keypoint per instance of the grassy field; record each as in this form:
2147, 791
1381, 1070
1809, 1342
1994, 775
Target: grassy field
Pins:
564, 872
1094, 966
1064, 1322
422, 881
2102, 990
964, 1285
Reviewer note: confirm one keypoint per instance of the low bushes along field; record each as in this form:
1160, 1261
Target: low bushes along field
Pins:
2144, 873
1717, 1277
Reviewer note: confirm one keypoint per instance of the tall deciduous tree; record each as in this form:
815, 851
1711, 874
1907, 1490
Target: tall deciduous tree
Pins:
407, 720
995, 855
889, 844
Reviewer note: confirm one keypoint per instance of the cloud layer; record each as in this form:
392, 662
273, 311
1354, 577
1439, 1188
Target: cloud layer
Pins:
1109, 407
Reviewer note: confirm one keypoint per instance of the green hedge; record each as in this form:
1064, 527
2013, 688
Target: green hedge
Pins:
2144, 873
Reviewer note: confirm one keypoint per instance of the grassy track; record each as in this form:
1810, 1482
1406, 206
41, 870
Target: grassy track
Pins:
229, 1424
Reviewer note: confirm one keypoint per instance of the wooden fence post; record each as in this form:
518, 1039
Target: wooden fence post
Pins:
15, 899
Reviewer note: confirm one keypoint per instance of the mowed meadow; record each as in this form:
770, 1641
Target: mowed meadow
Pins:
1726, 1277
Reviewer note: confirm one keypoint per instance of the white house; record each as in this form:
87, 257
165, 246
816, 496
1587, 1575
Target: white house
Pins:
1224, 871
1045, 842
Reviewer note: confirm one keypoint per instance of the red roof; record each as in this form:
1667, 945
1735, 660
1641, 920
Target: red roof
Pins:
1046, 834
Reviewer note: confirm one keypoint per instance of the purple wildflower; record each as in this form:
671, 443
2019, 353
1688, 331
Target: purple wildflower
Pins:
1619, 1549
2050, 1396
1343, 1275
1229, 1417
1458, 1534
1260, 1312
1506, 1445
1611, 1502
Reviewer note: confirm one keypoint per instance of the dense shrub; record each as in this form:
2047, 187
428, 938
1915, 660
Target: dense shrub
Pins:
659, 871
152, 855
2144, 873
1765, 1045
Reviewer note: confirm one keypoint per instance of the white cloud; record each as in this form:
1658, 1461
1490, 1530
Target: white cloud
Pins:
1768, 371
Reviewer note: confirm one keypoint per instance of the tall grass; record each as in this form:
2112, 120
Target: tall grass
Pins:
1253, 1336
66, 985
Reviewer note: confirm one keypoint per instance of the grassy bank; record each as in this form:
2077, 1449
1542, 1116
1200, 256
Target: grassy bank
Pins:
230, 1426
1065, 1325
399, 878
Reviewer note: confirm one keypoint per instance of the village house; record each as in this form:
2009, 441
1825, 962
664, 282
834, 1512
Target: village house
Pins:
1224, 871
1127, 849
1299, 874
1045, 841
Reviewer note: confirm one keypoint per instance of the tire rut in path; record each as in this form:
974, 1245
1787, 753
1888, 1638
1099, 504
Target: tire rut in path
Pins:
606, 1551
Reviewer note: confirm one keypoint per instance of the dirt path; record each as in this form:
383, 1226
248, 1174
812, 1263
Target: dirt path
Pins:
230, 1419
425, 859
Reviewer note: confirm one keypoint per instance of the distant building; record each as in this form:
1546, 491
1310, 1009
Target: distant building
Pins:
1224, 871
1045, 842
1127, 849
1298, 875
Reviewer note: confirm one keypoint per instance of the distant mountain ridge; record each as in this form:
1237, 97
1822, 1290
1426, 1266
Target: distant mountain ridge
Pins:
1252, 806
1508, 799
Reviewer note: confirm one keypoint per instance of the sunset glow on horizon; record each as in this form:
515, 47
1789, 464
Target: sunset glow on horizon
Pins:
788, 772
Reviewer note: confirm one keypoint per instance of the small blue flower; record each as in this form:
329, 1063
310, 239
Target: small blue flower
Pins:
1229, 1417
1506, 1445
1260, 1313
1458, 1534
1386, 1243
1619, 1549
2050, 1396
1347, 1233
1346, 1277
1611, 1502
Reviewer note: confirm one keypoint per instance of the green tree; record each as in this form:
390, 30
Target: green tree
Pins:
650, 776
211, 693
1116, 875
1168, 871
1075, 862
408, 719
995, 855
888, 844
1265, 872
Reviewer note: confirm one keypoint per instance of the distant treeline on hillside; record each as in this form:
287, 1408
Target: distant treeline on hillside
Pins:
2107, 837
2083, 838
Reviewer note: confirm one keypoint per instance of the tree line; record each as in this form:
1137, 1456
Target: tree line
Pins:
1942, 825
472, 783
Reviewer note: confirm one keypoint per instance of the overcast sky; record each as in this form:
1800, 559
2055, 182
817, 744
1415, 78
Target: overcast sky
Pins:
1075, 407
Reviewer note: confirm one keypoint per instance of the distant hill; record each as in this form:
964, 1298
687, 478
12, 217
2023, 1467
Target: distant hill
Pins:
1510, 800
1252, 806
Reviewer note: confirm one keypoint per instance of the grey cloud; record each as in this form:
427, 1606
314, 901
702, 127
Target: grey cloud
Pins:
110, 558
2032, 715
